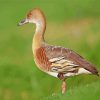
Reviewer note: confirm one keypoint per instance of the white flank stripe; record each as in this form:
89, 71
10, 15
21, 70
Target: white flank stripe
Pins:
53, 74
83, 71
61, 61
55, 59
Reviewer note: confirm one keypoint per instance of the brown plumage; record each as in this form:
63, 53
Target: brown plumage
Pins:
54, 52
42, 60
57, 61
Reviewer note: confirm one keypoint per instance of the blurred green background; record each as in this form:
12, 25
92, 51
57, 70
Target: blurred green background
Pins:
70, 23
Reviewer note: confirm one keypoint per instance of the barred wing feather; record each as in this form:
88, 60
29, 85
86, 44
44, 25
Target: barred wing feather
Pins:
65, 60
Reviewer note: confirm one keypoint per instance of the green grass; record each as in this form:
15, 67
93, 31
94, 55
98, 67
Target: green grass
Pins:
78, 93
73, 24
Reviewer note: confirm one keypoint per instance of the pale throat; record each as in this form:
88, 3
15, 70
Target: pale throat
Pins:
39, 26
38, 37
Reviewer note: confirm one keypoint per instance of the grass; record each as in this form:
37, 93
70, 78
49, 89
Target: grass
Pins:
79, 27
78, 93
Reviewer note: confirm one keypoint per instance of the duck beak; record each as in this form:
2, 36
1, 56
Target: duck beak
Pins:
24, 21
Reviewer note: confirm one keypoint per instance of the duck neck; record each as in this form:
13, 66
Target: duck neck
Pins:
38, 38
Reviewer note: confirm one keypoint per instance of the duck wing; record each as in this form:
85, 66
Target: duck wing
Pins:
65, 60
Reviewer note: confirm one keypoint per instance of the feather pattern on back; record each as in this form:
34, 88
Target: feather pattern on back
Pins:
65, 60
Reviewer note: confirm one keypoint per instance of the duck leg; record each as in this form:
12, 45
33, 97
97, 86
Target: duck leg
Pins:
63, 86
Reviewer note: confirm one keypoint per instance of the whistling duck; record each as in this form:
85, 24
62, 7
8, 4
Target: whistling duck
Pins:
57, 61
